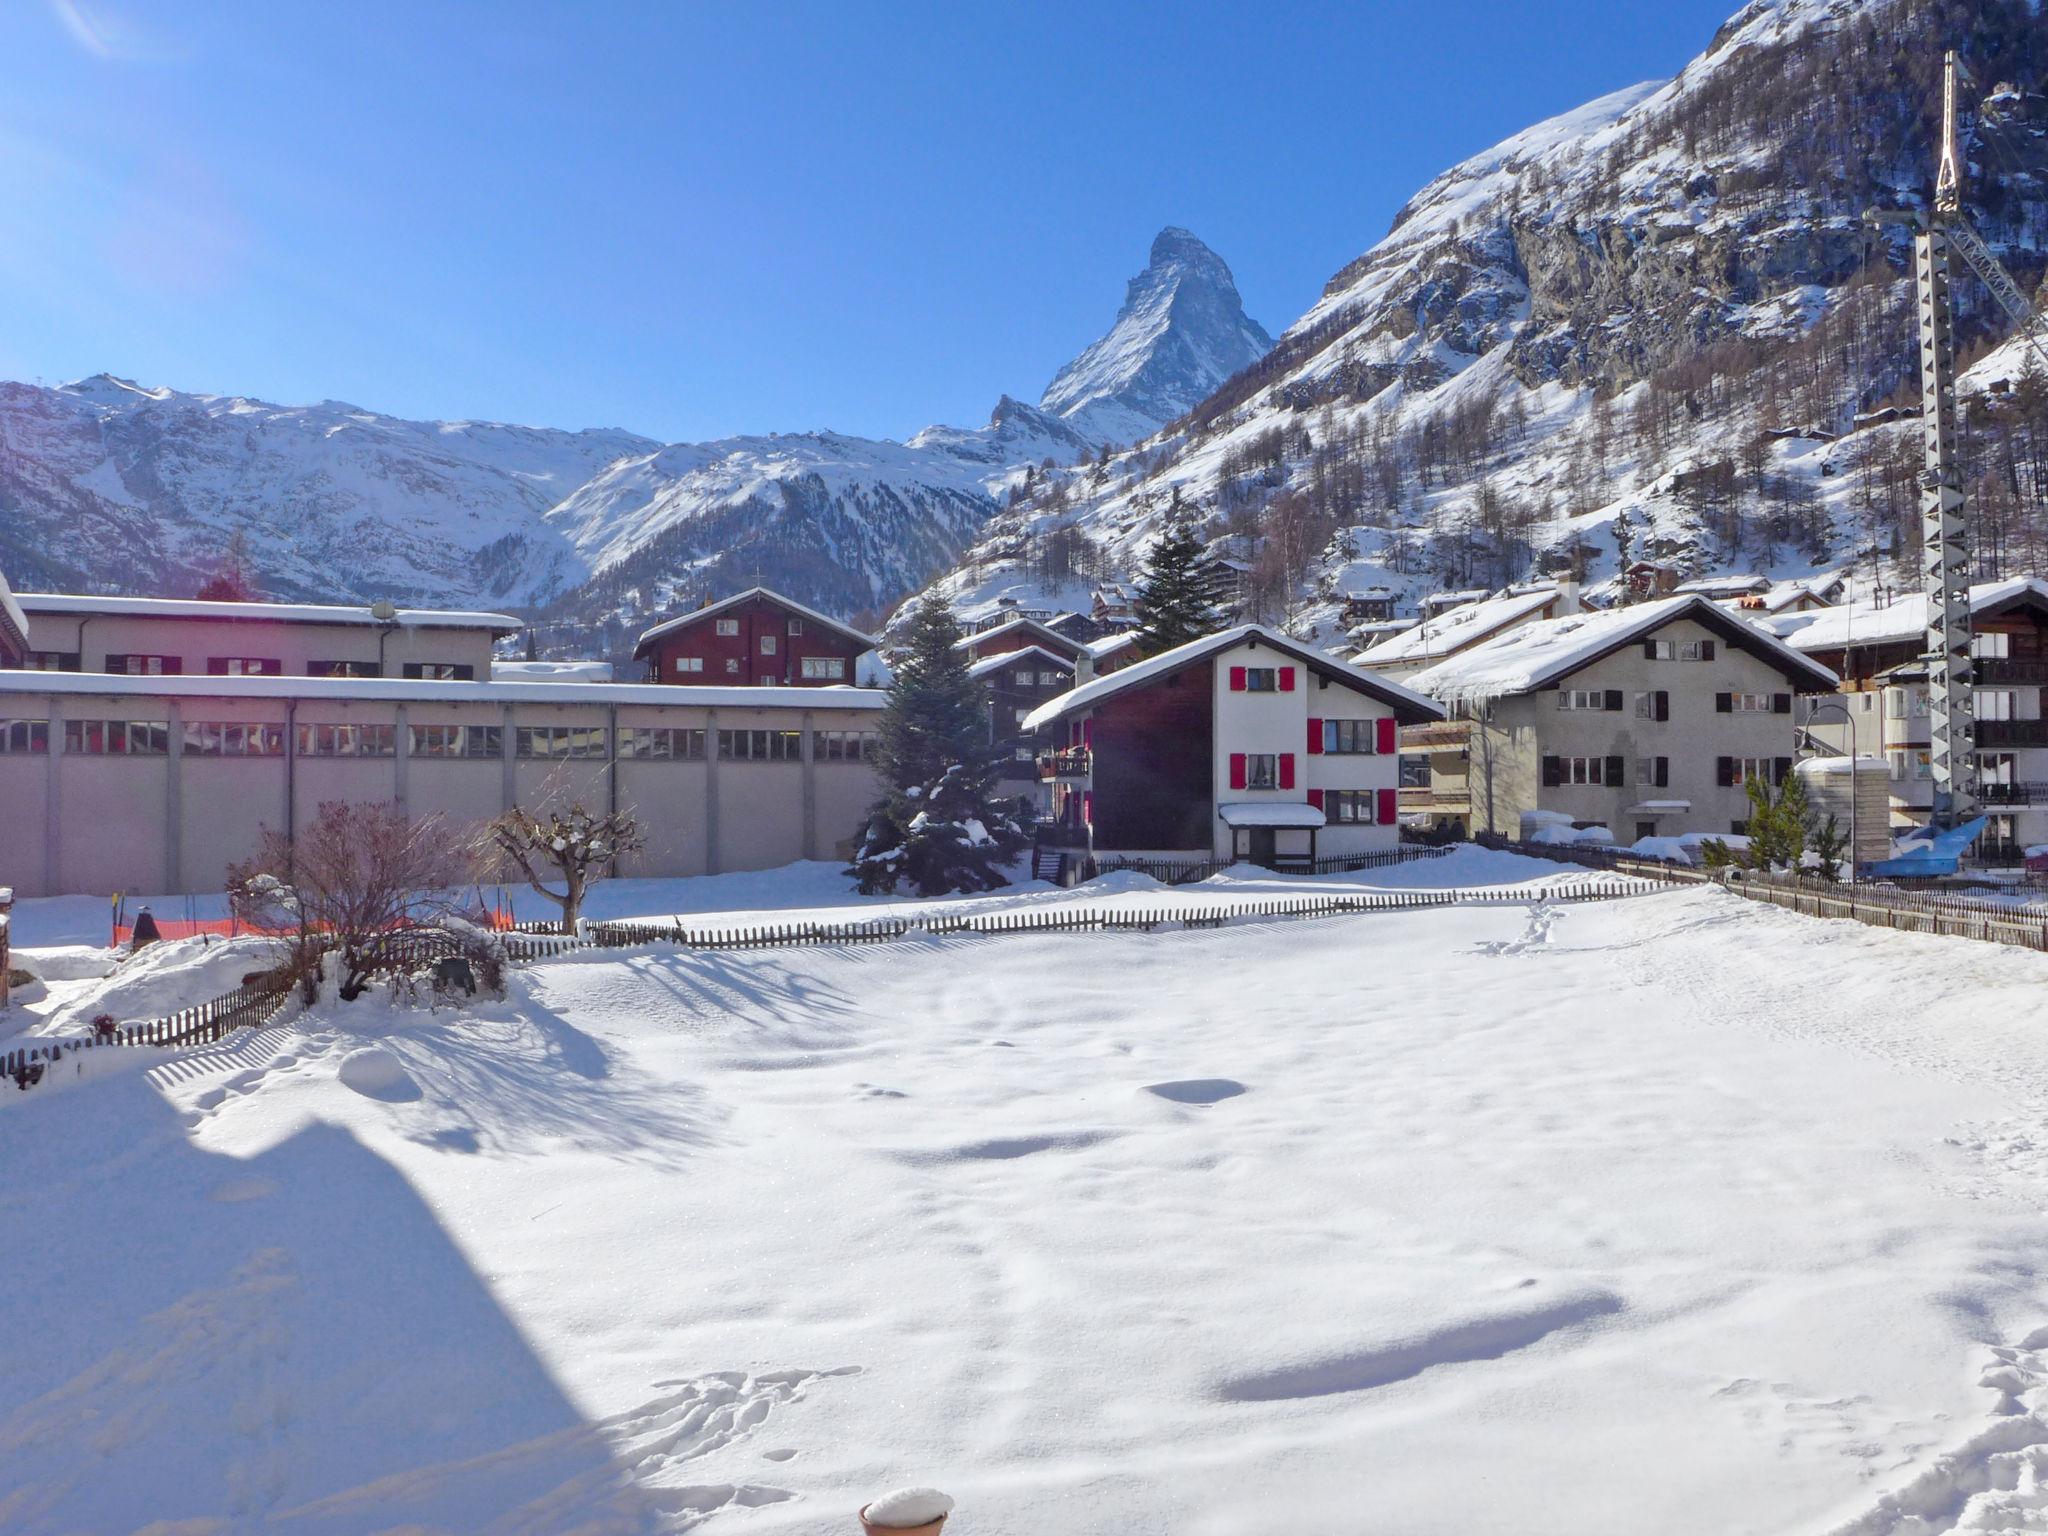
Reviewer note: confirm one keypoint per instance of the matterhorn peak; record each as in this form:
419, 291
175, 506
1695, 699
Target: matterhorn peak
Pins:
1181, 332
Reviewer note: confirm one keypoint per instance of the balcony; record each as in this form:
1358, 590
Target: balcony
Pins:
1073, 763
1446, 736
2012, 733
1450, 799
2030, 793
1995, 670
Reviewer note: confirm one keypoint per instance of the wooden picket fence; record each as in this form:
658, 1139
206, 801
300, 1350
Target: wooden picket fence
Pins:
243, 1008
1188, 872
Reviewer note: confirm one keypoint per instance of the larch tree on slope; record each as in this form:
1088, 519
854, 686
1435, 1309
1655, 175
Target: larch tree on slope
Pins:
1173, 603
938, 828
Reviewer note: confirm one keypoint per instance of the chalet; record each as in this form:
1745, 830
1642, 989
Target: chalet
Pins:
1016, 632
186, 637
160, 741
1877, 650
1116, 604
1446, 632
1649, 579
1648, 721
1365, 605
753, 639
1115, 651
1439, 602
1728, 588
1017, 682
1240, 745
13, 629
1787, 597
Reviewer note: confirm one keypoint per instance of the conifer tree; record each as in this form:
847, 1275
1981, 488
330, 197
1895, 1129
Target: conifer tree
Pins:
937, 828
1173, 603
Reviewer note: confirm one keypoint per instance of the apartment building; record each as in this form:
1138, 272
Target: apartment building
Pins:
1648, 720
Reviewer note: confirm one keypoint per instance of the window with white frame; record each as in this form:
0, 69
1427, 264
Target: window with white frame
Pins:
1262, 769
1348, 738
728, 626
24, 736
1048, 679
1679, 650
1581, 698
661, 743
233, 738
1749, 703
117, 738
732, 664
824, 666
347, 740
1994, 703
761, 746
1584, 770
554, 742
689, 664
767, 645
1991, 644
1743, 769
1349, 806
796, 626
1025, 676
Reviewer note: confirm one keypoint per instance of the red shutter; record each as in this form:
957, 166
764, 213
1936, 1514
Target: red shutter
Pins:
1237, 770
1287, 679
1390, 808
1315, 798
1287, 770
1386, 736
1237, 679
1315, 737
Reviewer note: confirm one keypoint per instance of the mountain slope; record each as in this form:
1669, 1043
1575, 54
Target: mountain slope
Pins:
1613, 328
1181, 332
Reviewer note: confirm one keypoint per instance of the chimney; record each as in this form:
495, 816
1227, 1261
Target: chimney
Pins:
1084, 667
1567, 595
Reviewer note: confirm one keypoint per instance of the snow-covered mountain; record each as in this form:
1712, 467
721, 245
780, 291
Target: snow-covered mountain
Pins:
106, 484
1181, 332
1657, 320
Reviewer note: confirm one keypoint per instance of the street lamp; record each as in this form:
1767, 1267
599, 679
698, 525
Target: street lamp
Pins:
1848, 719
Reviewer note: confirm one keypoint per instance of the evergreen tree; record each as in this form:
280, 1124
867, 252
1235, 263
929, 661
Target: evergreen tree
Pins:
1779, 823
1173, 603
937, 828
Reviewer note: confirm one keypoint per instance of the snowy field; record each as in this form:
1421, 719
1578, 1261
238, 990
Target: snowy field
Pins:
1677, 1215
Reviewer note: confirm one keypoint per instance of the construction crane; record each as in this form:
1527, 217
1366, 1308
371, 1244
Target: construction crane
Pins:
1939, 232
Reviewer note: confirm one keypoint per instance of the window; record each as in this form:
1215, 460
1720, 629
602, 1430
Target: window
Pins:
1743, 769
1048, 679
1589, 698
1907, 763
1349, 805
233, 738
118, 738
1678, 650
1262, 769
828, 667
728, 626
1586, 770
661, 743
854, 746
689, 663
140, 665
1261, 680
1025, 677
343, 669
1653, 705
1746, 703
1902, 703
1653, 772
1991, 645
761, 746
732, 663
1020, 713
561, 742
51, 661
1350, 737
767, 645
348, 740
440, 671
1994, 703
19, 737
243, 666
456, 740
796, 626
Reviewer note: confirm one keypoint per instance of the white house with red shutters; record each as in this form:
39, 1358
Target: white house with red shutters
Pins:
1241, 745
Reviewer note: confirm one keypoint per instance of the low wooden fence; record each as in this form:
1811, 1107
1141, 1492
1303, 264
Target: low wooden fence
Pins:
1187, 872
245, 1007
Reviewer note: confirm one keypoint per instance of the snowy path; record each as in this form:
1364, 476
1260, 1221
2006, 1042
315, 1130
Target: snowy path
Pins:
1684, 1215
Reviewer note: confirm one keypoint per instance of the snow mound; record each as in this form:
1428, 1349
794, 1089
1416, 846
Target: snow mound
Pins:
907, 1508
67, 962
378, 1073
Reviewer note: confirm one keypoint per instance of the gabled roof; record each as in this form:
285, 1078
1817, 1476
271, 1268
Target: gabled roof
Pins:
1541, 654
84, 604
1003, 659
1456, 629
1067, 643
1837, 629
1109, 645
712, 610
1409, 708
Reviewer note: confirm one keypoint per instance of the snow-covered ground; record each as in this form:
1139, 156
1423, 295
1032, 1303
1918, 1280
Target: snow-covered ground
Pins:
1681, 1214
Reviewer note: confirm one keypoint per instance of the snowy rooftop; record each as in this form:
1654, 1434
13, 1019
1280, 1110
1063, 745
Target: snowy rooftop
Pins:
400, 690
1268, 813
1015, 622
988, 664
1540, 653
1109, 645
711, 610
1457, 629
264, 613
1088, 695
1828, 629
11, 608
1724, 586
551, 671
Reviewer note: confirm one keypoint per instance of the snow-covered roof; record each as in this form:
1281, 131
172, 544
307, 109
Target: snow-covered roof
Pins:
996, 663
1834, 629
551, 671
1825, 765
1410, 708
1456, 629
265, 613
1016, 621
712, 610
1540, 653
1109, 645
367, 690
1724, 586
1268, 813
10, 609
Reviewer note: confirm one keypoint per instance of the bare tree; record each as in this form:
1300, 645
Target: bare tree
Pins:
573, 848
355, 881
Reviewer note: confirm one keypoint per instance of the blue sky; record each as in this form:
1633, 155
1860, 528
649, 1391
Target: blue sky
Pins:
696, 220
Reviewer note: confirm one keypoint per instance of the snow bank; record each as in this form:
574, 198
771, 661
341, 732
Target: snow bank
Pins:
908, 1507
377, 1072
158, 980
